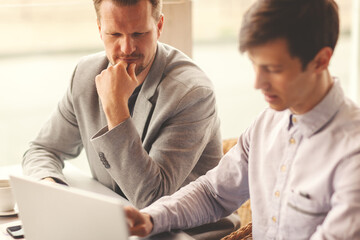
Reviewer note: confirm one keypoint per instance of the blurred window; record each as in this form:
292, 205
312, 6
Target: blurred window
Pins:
42, 40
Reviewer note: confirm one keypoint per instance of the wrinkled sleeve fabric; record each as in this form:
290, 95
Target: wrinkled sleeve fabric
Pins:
59, 139
145, 176
213, 196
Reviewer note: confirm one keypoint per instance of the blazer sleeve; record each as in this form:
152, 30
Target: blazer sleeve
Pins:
145, 176
59, 139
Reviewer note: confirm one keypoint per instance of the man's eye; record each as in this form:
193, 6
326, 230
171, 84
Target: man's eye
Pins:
135, 35
273, 70
113, 34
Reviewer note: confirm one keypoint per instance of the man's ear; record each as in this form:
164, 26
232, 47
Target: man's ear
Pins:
99, 27
322, 59
160, 25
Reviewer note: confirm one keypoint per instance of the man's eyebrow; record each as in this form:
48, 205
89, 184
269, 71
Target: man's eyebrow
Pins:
273, 65
277, 65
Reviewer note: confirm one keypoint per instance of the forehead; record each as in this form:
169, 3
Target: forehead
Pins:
136, 15
275, 52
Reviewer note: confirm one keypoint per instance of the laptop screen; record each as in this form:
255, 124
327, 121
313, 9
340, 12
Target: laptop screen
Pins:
57, 212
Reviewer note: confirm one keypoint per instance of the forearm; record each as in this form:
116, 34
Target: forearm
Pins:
142, 176
191, 206
40, 164
58, 139
181, 210
205, 200
117, 115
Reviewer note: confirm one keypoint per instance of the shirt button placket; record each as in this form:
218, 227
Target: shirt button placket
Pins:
294, 120
277, 194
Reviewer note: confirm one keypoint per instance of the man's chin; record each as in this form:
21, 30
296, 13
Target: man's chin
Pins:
278, 108
139, 70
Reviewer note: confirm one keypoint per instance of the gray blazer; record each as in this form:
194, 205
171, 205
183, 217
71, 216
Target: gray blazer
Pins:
172, 138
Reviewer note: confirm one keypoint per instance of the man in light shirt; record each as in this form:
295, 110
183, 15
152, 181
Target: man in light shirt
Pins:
299, 161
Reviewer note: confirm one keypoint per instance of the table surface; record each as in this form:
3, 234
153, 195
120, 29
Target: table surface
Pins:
77, 178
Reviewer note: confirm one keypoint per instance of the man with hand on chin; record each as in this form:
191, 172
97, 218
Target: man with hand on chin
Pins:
144, 113
299, 162
115, 86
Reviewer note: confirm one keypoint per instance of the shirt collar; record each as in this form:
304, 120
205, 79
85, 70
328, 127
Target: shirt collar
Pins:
312, 121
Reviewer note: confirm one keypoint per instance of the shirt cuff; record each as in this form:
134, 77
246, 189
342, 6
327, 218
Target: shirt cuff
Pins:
160, 219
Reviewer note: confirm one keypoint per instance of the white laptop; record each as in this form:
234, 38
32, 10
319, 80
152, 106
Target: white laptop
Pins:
56, 212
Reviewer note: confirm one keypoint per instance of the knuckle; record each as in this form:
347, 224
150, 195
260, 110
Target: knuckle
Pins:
141, 231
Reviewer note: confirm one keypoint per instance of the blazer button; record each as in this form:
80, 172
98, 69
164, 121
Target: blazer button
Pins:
103, 160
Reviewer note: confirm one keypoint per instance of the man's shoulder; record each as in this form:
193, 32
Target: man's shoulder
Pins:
171, 51
347, 120
180, 70
94, 59
90, 66
86, 70
342, 132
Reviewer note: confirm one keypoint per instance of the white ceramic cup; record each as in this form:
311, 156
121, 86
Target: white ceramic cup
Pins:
7, 200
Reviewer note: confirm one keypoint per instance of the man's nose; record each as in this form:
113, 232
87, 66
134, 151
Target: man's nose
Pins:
127, 45
260, 81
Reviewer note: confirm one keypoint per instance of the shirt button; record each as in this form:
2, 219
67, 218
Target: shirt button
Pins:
273, 219
292, 140
294, 120
283, 168
277, 194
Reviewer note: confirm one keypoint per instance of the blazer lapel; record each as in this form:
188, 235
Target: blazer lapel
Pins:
144, 107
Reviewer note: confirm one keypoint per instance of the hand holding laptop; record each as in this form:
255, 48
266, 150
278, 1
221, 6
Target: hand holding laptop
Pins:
49, 179
140, 224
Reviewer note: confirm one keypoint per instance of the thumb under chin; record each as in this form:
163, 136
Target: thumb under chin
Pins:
132, 68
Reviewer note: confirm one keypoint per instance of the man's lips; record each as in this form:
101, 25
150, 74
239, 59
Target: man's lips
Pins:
128, 59
270, 97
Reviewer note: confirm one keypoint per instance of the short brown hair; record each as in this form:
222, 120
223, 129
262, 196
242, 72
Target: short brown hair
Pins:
307, 25
156, 6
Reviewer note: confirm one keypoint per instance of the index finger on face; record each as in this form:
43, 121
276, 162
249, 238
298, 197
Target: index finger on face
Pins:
121, 64
131, 70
